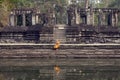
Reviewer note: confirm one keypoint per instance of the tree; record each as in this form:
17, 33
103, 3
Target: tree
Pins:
58, 6
4, 12
115, 4
7, 5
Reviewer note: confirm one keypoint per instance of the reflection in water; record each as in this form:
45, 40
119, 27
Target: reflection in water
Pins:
60, 69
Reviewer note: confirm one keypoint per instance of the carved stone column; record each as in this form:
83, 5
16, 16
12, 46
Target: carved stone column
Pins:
113, 19
73, 21
116, 19
103, 19
33, 19
90, 17
24, 20
12, 20
99, 19
36, 19
77, 17
93, 18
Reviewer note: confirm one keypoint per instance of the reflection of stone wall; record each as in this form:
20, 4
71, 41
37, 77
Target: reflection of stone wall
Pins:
43, 69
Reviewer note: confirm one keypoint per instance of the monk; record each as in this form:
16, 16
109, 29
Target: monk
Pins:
57, 45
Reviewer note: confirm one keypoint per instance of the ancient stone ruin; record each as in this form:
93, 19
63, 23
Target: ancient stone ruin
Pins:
84, 25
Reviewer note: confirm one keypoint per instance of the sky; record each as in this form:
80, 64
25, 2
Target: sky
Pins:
93, 1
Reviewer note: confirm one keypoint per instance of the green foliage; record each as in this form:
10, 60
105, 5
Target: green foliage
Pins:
5, 6
58, 6
109, 3
115, 4
22, 3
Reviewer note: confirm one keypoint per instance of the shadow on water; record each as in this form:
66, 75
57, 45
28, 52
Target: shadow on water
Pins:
59, 69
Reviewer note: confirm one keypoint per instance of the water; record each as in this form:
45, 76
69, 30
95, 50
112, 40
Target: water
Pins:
68, 69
